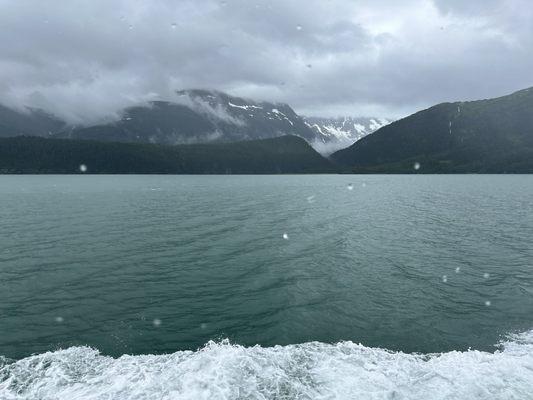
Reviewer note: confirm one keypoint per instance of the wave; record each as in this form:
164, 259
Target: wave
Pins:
306, 371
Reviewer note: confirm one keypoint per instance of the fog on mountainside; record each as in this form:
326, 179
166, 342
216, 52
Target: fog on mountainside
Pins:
198, 116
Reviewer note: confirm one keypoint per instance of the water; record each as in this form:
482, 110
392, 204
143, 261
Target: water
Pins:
105, 267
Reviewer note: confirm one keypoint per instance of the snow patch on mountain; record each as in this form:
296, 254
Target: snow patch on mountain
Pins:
245, 107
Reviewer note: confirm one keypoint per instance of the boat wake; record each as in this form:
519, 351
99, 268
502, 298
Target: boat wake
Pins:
307, 371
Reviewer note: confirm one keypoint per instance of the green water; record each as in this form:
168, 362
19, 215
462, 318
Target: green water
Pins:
156, 264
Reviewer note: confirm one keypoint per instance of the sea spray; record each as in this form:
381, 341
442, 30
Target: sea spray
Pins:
306, 371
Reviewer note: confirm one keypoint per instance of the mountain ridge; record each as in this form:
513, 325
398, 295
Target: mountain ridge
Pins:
471, 136
194, 116
198, 116
31, 121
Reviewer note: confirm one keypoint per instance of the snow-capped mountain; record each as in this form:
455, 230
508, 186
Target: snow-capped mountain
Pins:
333, 134
200, 116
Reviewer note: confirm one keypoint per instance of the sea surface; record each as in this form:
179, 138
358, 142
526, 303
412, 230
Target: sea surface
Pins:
266, 287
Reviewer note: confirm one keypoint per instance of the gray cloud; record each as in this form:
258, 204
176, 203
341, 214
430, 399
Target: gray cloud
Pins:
85, 60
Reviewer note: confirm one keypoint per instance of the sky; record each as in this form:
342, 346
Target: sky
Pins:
86, 60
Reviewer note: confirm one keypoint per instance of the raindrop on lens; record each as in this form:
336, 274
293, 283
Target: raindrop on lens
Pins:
488, 303
486, 275
83, 168
350, 187
311, 199
457, 270
444, 278
173, 26
157, 322
203, 326
59, 319
416, 166
285, 236
299, 27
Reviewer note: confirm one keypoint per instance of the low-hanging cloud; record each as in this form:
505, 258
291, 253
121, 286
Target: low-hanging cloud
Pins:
215, 113
86, 60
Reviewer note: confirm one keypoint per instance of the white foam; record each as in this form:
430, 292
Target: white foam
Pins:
308, 371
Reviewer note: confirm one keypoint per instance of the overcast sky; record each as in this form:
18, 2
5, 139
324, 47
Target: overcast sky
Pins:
88, 59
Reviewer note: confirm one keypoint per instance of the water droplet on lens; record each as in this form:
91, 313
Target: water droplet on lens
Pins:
203, 326
130, 27
309, 66
285, 236
444, 278
156, 322
486, 275
487, 303
311, 199
83, 168
299, 27
173, 26
416, 166
457, 270
350, 187
363, 184
59, 319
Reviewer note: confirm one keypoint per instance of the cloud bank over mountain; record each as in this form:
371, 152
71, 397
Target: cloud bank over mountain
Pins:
85, 60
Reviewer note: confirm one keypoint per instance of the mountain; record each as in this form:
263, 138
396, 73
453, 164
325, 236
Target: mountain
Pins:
485, 136
31, 122
198, 116
287, 154
333, 134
